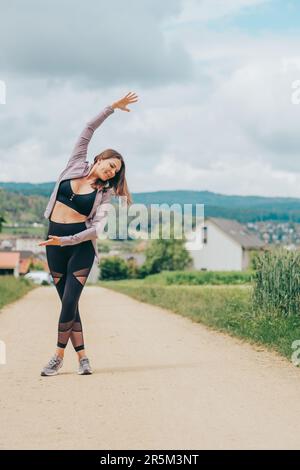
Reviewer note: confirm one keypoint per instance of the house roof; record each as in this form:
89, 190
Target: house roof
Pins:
238, 232
24, 265
23, 253
9, 259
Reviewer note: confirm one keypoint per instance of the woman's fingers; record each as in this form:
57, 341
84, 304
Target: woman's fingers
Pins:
126, 102
130, 97
54, 240
42, 243
130, 93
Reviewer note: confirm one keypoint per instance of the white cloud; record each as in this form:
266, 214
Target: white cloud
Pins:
95, 44
227, 126
204, 10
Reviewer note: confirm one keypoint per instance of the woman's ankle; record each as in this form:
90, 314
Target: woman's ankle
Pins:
81, 354
60, 352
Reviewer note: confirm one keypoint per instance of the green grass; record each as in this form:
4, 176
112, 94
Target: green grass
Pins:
226, 308
12, 288
201, 277
277, 282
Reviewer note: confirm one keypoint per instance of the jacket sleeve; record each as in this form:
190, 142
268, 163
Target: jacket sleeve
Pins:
98, 224
79, 152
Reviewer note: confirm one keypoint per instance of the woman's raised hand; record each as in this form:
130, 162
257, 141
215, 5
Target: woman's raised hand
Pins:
54, 240
123, 102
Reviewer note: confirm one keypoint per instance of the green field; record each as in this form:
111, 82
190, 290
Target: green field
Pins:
226, 308
12, 288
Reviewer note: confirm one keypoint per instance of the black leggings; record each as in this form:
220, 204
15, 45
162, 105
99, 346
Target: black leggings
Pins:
69, 266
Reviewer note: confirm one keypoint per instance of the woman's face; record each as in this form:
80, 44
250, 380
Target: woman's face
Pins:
106, 169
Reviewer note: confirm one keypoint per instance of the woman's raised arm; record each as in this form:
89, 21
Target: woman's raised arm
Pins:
79, 152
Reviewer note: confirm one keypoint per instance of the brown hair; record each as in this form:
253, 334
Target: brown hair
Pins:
118, 182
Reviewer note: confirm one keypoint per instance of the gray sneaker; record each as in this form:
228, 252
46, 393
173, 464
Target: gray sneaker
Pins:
53, 365
84, 366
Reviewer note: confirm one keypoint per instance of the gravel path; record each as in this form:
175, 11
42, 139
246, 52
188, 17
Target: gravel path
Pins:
160, 381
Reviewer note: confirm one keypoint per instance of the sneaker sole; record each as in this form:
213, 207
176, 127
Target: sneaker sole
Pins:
43, 374
86, 372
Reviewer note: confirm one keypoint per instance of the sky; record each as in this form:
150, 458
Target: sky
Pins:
214, 79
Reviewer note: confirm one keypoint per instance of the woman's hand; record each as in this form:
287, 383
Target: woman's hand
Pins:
54, 240
122, 103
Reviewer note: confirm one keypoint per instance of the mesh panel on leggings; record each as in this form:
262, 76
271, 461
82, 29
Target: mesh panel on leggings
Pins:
77, 336
56, 276
64, 330
81, 275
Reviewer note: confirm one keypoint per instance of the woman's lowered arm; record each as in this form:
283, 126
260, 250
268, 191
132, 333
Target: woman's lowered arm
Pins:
97, 227
98, 223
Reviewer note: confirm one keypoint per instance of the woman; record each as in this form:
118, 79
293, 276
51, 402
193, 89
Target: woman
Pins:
77, 216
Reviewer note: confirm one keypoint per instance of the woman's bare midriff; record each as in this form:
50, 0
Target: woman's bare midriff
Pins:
63, 214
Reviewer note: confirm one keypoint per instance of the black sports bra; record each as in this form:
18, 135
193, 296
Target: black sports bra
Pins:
81, 203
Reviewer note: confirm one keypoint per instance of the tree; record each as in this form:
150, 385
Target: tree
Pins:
169, 255
2, 220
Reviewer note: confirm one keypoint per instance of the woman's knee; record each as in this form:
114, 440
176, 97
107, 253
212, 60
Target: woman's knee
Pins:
72, 292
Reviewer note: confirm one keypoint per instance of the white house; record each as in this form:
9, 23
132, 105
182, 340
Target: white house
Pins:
222, 245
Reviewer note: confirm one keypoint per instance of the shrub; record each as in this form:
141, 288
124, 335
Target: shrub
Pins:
133, 269
113, 268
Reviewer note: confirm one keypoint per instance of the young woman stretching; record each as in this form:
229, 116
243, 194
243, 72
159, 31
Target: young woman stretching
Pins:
77, 215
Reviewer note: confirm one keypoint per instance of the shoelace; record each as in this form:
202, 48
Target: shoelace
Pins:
84, 359
85, 362
53, 361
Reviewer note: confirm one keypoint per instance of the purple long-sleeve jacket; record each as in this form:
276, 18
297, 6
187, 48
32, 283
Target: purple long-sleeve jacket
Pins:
77, 167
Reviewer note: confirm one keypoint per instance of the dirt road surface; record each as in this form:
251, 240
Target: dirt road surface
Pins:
160, 381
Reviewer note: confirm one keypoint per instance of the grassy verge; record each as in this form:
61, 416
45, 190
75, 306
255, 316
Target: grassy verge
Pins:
194, 278
12, 289
224, 308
